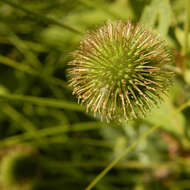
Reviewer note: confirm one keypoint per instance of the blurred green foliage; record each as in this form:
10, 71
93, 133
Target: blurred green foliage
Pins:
38, 109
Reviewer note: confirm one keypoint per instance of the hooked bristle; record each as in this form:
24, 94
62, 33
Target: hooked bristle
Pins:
120, 71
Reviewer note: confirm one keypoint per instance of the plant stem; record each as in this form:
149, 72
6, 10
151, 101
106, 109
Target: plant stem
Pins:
49, 102
53, 131
183, 106
16, 116
27, 69
114, 162
60, 166
40, 17
130, 148
186, 27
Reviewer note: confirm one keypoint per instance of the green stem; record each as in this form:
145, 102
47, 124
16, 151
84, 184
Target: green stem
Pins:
55, 130
27, 69
62, 165
128, 149
114, 162
16, 116
183, 106
186, 27
40, 17
21, 67
49, 102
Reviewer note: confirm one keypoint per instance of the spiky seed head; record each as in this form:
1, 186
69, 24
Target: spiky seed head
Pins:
120, 70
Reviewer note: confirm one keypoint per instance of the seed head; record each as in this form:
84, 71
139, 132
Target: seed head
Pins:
120, 70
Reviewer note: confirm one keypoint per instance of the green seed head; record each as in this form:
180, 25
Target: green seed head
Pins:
120, 70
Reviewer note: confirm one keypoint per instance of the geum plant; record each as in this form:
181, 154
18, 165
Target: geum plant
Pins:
120, 70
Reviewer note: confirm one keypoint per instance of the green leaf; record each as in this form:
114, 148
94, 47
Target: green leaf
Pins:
168, 118
187, 76
165, 17
158, 12
180, 36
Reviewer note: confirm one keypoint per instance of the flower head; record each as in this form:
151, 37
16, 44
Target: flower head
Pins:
120, 70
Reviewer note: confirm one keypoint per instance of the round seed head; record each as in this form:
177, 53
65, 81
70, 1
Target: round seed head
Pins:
120, 71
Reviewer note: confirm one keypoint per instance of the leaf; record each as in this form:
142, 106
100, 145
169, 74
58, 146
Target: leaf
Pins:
187, 76
180, 36
159, 11
168, 118
165, 16
150, 13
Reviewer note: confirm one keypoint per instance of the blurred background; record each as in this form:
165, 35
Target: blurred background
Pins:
47, 141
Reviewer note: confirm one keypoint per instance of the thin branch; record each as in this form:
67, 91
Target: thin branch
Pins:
49, 102
27, 69
114, 162
50, 131
129, 149
40, 17
16, 116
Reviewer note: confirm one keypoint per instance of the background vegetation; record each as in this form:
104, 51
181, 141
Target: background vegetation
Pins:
38, 112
